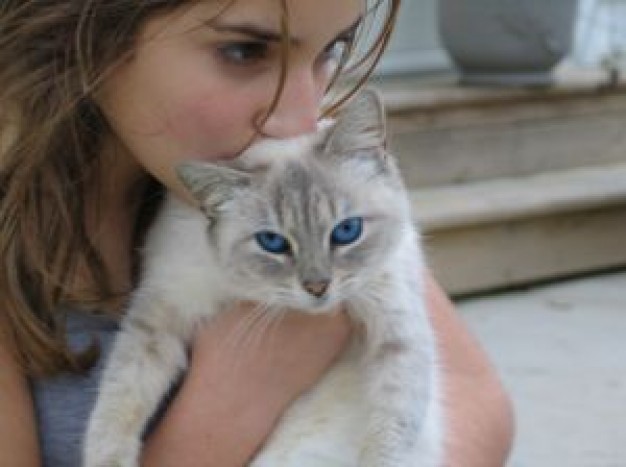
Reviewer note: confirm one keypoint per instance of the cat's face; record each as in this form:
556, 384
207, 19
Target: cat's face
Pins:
309, 220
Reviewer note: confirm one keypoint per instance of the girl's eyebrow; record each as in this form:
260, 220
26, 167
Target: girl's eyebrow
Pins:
268, 35
247, 29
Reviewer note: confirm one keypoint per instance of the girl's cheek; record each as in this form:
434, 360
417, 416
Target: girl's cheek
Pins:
210, 128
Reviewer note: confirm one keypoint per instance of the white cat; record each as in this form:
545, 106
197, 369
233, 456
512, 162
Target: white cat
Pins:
305, 224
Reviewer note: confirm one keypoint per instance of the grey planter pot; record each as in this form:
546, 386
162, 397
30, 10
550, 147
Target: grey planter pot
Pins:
507, 42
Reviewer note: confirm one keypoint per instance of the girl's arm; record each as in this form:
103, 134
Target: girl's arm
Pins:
238, 386
478, 412
18, 434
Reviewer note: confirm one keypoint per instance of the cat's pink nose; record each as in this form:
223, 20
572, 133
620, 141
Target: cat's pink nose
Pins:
317, 288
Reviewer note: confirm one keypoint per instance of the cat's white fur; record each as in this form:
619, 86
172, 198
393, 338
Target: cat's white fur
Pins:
378, 406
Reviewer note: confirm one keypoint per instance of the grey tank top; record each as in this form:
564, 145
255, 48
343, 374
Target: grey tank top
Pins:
63, 403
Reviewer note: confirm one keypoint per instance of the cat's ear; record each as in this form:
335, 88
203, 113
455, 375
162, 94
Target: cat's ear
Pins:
360, 125
212, 185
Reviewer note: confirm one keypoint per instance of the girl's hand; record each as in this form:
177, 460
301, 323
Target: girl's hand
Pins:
244, 372
288, 354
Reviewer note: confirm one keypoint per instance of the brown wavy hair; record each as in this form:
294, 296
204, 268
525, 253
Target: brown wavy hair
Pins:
53, 56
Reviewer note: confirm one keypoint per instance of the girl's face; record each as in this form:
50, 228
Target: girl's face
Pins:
198, 82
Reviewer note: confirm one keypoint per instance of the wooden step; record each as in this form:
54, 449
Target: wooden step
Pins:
498, 233
443, 133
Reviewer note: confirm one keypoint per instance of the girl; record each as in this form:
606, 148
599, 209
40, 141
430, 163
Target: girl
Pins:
99, 100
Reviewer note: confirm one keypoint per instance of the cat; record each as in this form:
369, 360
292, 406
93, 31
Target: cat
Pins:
306, 224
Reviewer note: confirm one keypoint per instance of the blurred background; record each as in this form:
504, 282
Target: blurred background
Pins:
599, 27
509, 121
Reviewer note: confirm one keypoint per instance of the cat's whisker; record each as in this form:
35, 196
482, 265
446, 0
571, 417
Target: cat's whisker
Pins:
267, 325
253, 339
265, 319
284, 296
255, 331
277, 316
232, 341
240, 329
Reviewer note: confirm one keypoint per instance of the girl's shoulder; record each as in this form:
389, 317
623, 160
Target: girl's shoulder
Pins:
18, 434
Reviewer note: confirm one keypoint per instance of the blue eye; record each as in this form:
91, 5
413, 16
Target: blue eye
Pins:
272, 242
347, 231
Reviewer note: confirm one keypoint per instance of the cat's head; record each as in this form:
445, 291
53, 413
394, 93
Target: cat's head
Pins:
308, 220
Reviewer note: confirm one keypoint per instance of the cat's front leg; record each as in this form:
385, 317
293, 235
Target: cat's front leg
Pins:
401, 384
142, 365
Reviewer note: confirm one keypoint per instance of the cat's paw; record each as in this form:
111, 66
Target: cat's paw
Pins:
120, 453
391, 448
414, 455
380, 459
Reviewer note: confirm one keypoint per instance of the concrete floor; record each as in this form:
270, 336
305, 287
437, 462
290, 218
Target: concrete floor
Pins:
561, 352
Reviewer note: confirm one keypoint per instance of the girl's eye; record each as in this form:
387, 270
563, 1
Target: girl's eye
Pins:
243, 53
347, 231
272, 242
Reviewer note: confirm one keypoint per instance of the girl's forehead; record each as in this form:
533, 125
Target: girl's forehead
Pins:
312, 24
306, 18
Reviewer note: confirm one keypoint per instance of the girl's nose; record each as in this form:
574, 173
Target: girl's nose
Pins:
298, 109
